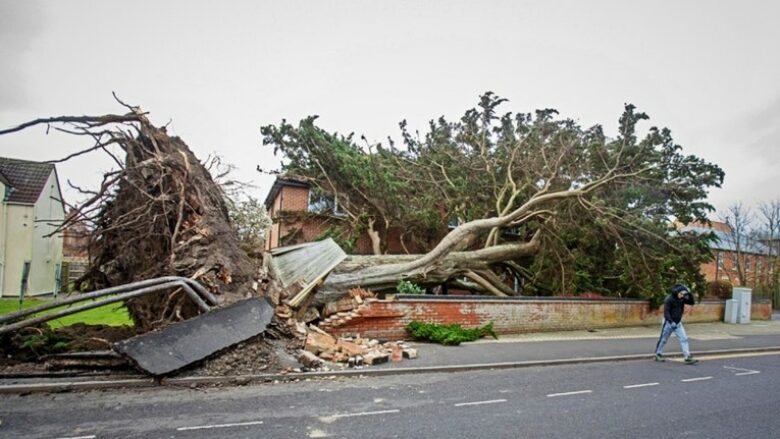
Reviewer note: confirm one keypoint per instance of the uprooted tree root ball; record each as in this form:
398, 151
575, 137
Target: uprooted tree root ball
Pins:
159, 214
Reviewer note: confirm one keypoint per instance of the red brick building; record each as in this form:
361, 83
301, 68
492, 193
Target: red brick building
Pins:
300, 215
752, 254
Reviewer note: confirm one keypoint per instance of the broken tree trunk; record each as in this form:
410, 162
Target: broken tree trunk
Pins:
384, 272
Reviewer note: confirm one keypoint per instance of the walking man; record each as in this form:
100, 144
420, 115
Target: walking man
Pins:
674, 305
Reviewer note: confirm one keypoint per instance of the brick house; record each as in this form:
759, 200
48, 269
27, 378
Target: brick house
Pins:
754, 256
300, 214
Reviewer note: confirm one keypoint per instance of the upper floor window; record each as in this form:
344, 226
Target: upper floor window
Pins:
720, 259
324, 203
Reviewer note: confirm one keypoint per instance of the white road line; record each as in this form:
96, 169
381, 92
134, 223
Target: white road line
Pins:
492, 401
579, 392
206, 427
696, 379
634, 386
742, 371
92, 436
350, 415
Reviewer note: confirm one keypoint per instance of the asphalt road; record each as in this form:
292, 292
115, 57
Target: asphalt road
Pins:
722, 397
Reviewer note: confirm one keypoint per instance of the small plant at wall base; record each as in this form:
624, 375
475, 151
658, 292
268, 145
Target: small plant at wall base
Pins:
406, 287
452, 335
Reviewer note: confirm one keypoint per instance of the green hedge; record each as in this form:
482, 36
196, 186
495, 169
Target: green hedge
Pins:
447, 334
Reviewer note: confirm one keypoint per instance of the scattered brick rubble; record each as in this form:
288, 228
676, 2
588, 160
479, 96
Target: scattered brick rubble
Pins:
323, 351
354, 351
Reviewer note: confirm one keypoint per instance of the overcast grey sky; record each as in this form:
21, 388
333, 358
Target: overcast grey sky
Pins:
708, 70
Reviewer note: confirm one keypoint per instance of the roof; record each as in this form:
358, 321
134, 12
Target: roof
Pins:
724, 241
305, 265
279, 183
26, 179
305, 262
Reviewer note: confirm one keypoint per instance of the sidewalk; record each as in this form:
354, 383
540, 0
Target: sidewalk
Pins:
600, 345
537, 349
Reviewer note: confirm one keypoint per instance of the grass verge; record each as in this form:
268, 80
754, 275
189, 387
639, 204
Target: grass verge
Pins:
113, 314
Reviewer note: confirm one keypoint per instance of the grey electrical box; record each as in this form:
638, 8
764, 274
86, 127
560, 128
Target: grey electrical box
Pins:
732, 309
743, 298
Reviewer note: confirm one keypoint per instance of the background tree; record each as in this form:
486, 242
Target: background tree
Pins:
739, 219
251, 221
769, 233
564, 208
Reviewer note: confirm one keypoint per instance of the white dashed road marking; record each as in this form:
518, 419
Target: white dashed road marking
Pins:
634, 386
492, 401
331, 418
696, 379
92, 436
206, 427
579, 392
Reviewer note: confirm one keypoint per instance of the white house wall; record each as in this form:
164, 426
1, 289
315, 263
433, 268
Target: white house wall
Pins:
46, 250
18, 245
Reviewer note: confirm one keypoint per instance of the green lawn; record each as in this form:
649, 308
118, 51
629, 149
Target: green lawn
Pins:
114, 314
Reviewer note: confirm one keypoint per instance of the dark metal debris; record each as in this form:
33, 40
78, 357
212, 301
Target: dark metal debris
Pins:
184, 343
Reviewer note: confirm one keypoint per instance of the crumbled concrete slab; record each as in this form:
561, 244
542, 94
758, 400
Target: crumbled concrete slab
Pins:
184, 343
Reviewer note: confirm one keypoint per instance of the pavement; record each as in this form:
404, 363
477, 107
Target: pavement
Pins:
526, 350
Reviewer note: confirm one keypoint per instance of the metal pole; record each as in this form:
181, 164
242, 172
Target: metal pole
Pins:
99, 303
108, 291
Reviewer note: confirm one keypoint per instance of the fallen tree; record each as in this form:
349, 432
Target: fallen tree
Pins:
491, 197
160, 213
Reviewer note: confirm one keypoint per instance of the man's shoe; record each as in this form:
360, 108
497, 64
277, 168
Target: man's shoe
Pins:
659, 358
691, 360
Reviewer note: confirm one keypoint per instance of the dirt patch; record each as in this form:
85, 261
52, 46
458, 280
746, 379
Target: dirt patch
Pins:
271, 352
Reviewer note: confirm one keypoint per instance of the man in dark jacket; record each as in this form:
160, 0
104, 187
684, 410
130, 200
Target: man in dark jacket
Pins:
673, 312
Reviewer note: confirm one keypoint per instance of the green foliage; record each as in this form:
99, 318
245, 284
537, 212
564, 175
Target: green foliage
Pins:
719, 288
346, 238
114, 314
448, 334
616, 240
45, 342
250, 220
406, 287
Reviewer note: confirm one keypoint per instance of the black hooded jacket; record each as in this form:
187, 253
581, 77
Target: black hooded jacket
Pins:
674, 307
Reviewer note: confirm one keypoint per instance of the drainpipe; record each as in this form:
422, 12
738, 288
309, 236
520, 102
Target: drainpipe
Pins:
281, 209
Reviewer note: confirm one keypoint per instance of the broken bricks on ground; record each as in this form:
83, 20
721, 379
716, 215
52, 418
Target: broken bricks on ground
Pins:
321, 349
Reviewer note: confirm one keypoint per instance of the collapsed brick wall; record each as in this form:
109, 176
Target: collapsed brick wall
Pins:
384, 319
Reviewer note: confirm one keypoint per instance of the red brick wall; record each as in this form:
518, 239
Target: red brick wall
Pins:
387, 319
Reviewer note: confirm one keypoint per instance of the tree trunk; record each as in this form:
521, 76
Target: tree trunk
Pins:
384, 272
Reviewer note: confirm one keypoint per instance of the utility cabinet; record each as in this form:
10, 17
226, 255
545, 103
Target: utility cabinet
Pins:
743, 298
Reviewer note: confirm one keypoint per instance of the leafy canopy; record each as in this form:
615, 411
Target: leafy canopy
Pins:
616, 239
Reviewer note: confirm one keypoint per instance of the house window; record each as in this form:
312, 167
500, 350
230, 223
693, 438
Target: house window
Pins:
324, 203
733, 261
748, 263
720, 259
